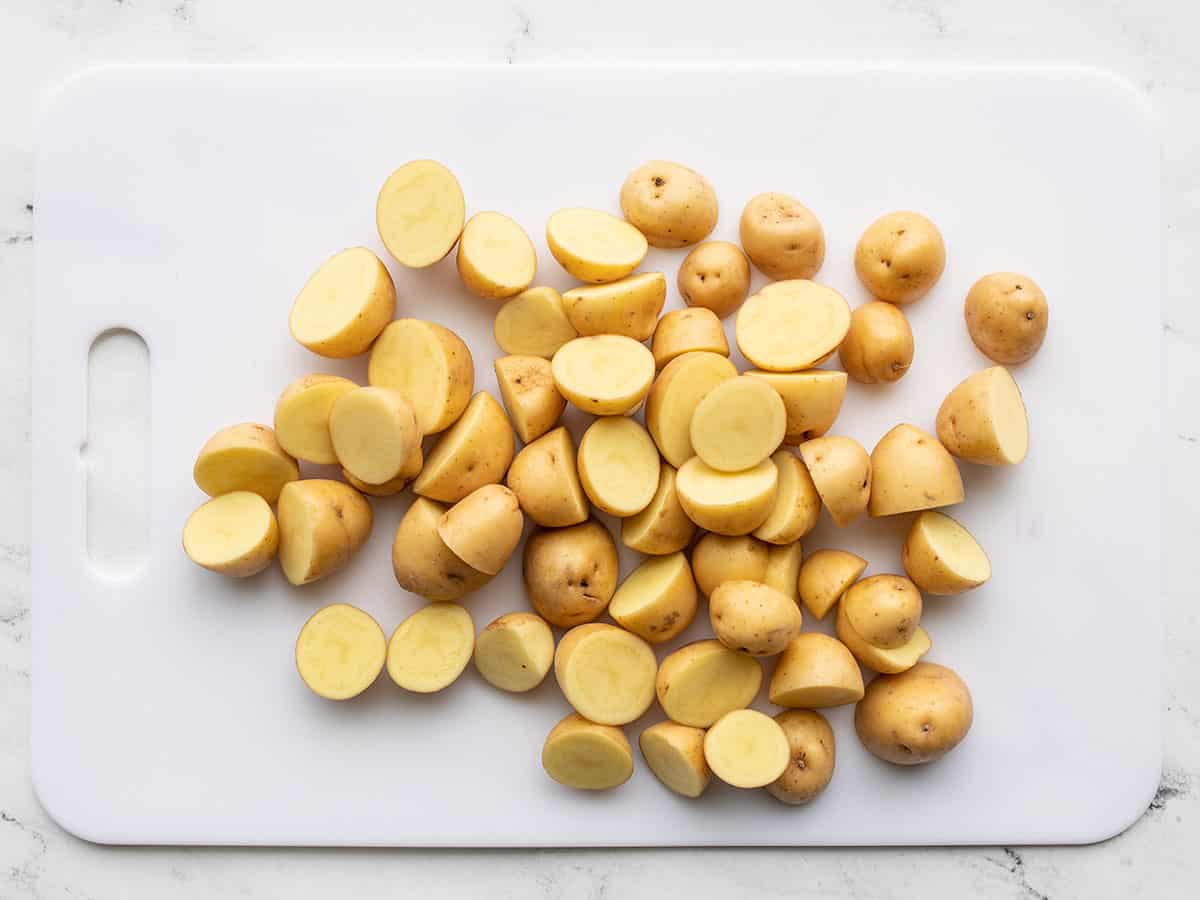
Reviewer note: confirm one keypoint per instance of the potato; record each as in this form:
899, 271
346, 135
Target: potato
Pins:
797, 503
604, 374
841, 472
718, 558
914, 717
322, 524
618, 466
812, 750
738, 424
885, 610
702, 681
483, 528
900, 257
374, 433
686, 331
675, 754
657, 601
983, 420
234, 534
815, 671
594, 246
812, 400
302, 417
747, 749
662, 527
422, 562
879, 658
430, 366
753, 618
676, 393
420, 213
411, 469
345, 304
942, 557
825, 576
244, 457
545, 480
670, 204
792, 325
911, 471
429, 650
581, 754
340, 652
475, 451
879, 345
629, 306
496, 259
782, 237
1007, 317
527, 388
783, 569
571, 573
533, 323
515, 652
715, 276
605, 673
727, 502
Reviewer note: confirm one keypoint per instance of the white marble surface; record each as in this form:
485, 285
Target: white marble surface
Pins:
1150, 42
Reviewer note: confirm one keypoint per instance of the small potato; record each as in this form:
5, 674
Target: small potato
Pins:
244, 458
812, 749
422, 562
825, 576
483, 528
430, 366
738, 424
475, 451
914, 717
815, 671
727, 502
747, 749
571, 573
618, 466
605, 374
420, 213
429, 650
1007, 317
374, 433
702, 681
411, 469
942, 557
685, 331
675, 754
302, 417
753, 618
629, 306
911, 471
673, 398
546, 482
234, 534
344, 305
527, 388
983, 420
782, 237
879, 345
792, 325
581, 754
322, 524
496, 259
670, 204
340, 652
900, 257
533, 323
879, 658
594, 246
797, 503
606, 673
657, 600
715, 276
662, 527
812, 400
841, 471
515, 652
718, 558
885, 610
783, 569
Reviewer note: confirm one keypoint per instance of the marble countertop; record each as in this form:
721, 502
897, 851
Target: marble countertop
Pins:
1149, 42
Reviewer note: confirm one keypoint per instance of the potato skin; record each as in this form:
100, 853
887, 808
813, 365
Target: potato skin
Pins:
782, 237
813, 752
824, 577
686, 330
545, 479
662, 527
842, 472
900, 257
715, 276
477, 450
753, 618
885, 610
879, 345
1007, 317
484, 528
911, 470
423, 564
217, 473
672, 205
339, 519
973, 422
916, 716
718, 558
571, 573
530, 397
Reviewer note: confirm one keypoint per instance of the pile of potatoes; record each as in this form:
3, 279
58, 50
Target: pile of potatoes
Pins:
715, 483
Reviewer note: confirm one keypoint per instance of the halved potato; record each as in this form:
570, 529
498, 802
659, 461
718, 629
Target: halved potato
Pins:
657, 600
429, 365
675, 754
783, 569
496, 259
571, 573
544, 478
812, 746
411, 469
424, 564
344, 305
244, 457
942, 557
692, 330
702, 681
483, 528
841, 472
738, 424
234, 534
898, 659
527, 388
420, 213
676, 393
322, 524
606, 673
792, 325
340, 652
815, 671
727, 502
618, 466
662, 527
911, 470
885, 610
515, 652
825, 576
533, 323
429, 650
797, 503
983, 420
718, 558
302, 417
753, 618
594, 246
374, 433
747, 749
604, 374
812, 400
629, 306
475, 451
581, 754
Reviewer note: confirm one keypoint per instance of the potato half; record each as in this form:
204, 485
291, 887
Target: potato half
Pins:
783, 569
605, 374
715, 276
545, 479
581, 754
374, 433
527, 388
738, 424
244, 457
571, 573
344, 305
792, 325
718, 558
815, 671
702, 681
813, 751
885, 610
683, 331
747, 749
983, 420
422, 562
629, 306
662, 527
1007, 317
475, 451
879, 345
420, 213
841, 472
942, 557
606, 673
797, 503
675, 754
515, 652
782, 237
657, 600
429, 650
322, 525
911, 470
825, 576
670, 204
727, 502
496, 259
618, 465
594, 246
234, 534
429, 365
533, 323
753, 618
812, 400
483, 528
900, 257
340, 652
878, 658
914, 717
410, 470
302, 417
676, 393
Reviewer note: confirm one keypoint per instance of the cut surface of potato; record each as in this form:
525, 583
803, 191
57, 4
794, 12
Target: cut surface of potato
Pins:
420, 213
825, 576
815, 671
783, 569
727, 502
594, 246
797, 503
422, 562
812, 400
604, 374
885, 610
584, 755
322, 524
496, 259
746, 749
942, 557
234, 534
792, 325
738, 424
429, 365
702, 681
782, 237
662, 527
629, 306
515, 652
545, 479
910, 471
340, 652
841, 472
344, 305
244, 457
753, 618
475, 451
675, 754
483, 528
618, 466
983, 420
606, 673
527, 388
410, 470
813, 749
429, 650
302, 417
657, 600
533, 323
687, 331
374, 433
718, 558
880, 659
676, 393
571, 573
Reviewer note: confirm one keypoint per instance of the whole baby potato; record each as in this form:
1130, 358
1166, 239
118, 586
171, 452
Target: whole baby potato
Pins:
715, 276
753, 618
813, 749
571, 573
900, 257
916, 716
669, 203
879, 345
782, 237
1007, 316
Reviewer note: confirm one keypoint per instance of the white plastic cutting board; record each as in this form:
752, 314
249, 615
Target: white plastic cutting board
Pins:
190, 204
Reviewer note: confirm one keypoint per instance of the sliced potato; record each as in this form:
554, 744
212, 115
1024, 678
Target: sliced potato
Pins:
604, 374
594, 246
234, 534
420, 213
718, 558
815, 671
606, 673
783, 569
344, 305
533, 323
738, 424
753, 618
676, 393
618, 466
841, 472
811, 399
475, 451
302, 417
911, 470
429, 650
483, 528
727, 502
322, 524
885, 610
657, 601
812, 746
942, 557
629, 306
792, 325
900, 257
496, 259
527, 388
825, 576
429, 365
983, 420
702, 681
670, 204
571, 573
747, 749
879, 345
715, 276
581, 754
797, 503
782, 237
411, 469
662, 527
882, 660
515, 652
340, 652
422, 562
675, 754
374, 433
687, 331
544, 478
244, 457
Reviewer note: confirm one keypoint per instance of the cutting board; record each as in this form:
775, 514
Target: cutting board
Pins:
185, 207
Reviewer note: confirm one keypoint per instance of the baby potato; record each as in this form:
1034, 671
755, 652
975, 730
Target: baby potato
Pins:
815, 671
475, 451
496, 259
234, 534
675, 754
841, 471
670, 204
718, 558
374, 433
812, 750
792, 325
527, 388
422, 562
702, 681
715, 276
983, 420
783, 569
342, 308
885, 610
879, 345
753, 618
302, 417
411, 469
1007, 317
900, 257
483, 528
782, 237
797, 503
914, 717
606, 673
571, 573
515, 652
629, 306
429, 365
747, 749
420, 213
594, 246
340, 652
673, 398
545, 480
429, 650
533, 323
727, 502
604, 374
881, 659
618, 466
812, 400
942, 557
244, 457
825, 576
657, 600
686, 330
911, 471
662, 527
738, 424
581, 754
322, 524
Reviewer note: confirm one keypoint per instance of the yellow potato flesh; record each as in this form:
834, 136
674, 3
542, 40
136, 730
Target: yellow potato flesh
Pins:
815, 671
605, 375
302, 417
887, 662
983, 420
618, 466
738, 424
515, 652
797, 503
496, 259
678, 390
811, 399
374, 433
824, 577
657, 600
783, 569
746, 749
605, 673
584, 755
429, 650
532, 401
533, 323
942, 557
675, 754
234, 534
629, 306
322, 525
244, 458
792, 325
344, 305
476, 451
594, 246
699, 683
662, 527
420, 213
727, 502
429, 365
410, 470
340, 652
